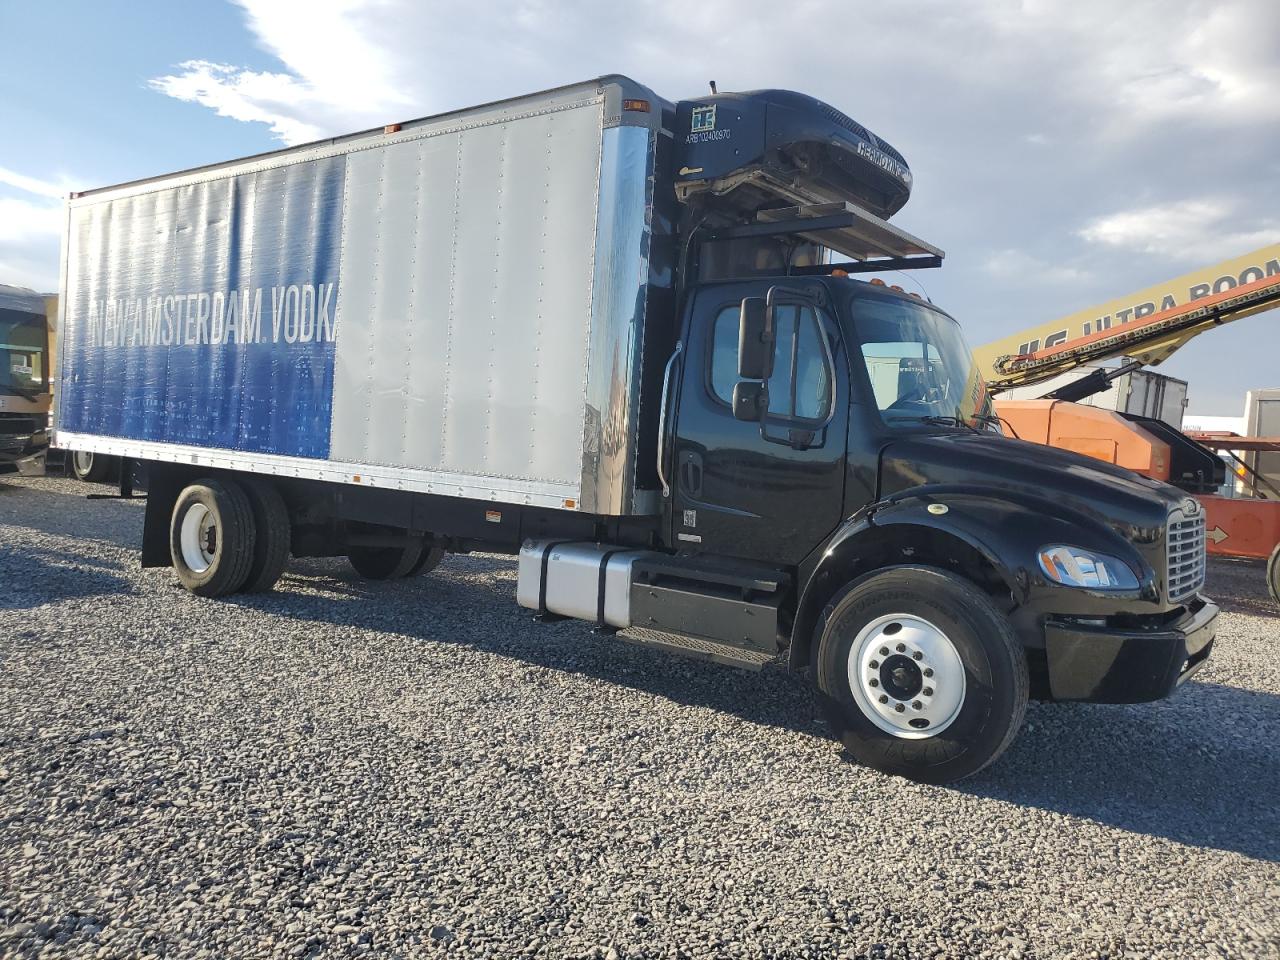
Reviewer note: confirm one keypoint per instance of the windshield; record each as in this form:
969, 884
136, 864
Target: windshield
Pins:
22, 348
919, 366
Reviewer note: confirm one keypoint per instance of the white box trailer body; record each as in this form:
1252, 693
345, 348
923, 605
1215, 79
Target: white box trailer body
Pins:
1262, 419
452, 306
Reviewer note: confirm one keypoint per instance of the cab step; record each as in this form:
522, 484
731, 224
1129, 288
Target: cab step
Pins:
696, 648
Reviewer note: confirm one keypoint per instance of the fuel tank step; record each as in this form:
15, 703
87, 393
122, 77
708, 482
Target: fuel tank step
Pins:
698, 649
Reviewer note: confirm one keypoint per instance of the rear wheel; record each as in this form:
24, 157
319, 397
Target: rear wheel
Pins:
1273, 574
385, 563
429, 560
272, 540
212, 537
90, 467
921, 675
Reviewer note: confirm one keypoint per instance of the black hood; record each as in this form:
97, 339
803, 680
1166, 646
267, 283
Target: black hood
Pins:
1111, 494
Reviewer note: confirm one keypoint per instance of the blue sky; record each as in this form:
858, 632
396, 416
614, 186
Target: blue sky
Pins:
1064, 152
74, 98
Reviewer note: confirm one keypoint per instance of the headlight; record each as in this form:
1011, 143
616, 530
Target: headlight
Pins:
1077, 567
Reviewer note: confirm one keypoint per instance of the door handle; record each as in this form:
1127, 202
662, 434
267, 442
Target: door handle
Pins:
691, 472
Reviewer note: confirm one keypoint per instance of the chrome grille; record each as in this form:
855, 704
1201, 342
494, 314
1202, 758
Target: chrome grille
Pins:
1186, 552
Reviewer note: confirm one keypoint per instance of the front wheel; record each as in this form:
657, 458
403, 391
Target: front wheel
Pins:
1273, 574
921, 675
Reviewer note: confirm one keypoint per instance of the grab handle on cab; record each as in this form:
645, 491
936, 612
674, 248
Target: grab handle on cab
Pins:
662, 419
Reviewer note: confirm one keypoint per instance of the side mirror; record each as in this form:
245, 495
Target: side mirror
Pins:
755, 340
750, 400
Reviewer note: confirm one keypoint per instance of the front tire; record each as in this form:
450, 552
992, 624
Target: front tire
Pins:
920, 674
1273, 574
212, 537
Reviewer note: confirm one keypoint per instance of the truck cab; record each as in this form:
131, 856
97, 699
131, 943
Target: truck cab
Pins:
24, 380
838, 433
833, 473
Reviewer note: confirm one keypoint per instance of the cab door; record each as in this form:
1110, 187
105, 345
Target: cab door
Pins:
769, 490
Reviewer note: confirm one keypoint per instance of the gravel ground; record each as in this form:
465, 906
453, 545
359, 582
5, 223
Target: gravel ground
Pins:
417, 769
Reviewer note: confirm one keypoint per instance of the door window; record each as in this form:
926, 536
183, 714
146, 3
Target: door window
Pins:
800, 388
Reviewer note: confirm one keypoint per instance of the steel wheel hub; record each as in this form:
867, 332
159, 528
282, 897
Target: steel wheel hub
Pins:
906, 676
198, 538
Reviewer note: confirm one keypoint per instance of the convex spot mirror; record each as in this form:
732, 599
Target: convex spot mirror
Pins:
755, 340
750, 399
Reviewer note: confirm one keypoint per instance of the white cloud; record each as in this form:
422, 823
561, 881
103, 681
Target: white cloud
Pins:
340, 79
31, 221
22, 220
56, 189
1203, 229
350, 64
1019, 267
30, 232
271, 98
1148, 61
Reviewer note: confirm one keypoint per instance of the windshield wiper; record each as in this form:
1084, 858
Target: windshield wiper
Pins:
937, 420
990, 418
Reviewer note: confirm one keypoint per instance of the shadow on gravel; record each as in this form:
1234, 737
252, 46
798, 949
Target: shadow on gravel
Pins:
1198, 769
446, 608
1238, 585
1192, 769
33, 577
65, 515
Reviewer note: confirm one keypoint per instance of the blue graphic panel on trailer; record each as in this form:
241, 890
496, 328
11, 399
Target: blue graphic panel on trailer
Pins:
205, 314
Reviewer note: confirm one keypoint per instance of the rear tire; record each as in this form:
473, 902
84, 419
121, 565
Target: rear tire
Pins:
1273, 574
90, 467
920, 674
429, 560
212, 537
385, 563
273, 534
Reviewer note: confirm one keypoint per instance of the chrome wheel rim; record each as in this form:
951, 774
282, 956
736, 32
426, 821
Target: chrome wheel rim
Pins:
198, 538
906, 676
83, 460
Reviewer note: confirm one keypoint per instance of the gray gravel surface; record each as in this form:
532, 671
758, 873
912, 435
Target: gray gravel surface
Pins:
417, 769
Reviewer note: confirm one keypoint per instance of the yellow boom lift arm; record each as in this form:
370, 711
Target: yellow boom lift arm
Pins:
1147, 326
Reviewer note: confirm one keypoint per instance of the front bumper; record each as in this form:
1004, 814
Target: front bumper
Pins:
24, 453
1108, 664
